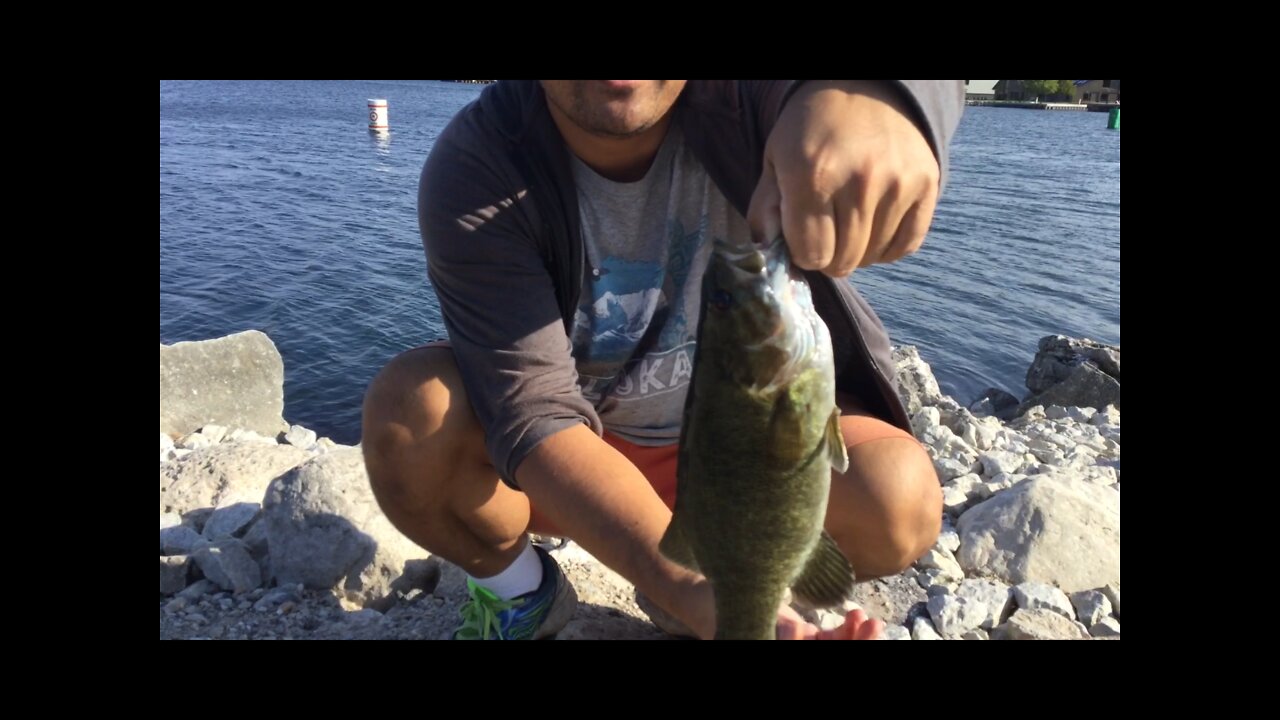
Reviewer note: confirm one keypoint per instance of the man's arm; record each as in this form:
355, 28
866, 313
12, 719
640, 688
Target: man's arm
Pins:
853, 168
601, 500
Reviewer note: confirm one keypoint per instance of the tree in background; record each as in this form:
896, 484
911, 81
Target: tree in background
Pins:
1043, 89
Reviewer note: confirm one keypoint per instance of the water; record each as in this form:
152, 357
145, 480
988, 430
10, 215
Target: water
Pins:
280, 212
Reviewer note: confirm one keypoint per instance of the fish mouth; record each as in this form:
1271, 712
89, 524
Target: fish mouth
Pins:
786, 324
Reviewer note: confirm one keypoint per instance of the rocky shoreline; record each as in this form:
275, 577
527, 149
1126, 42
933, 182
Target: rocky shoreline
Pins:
268, 532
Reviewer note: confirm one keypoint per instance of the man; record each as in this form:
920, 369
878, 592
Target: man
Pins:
566, 226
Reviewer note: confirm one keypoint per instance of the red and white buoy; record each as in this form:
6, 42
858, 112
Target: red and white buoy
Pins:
378, 122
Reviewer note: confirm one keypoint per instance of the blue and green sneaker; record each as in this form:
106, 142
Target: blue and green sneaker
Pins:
532, 616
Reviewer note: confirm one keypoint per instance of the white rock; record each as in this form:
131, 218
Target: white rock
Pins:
948, 540
895, 632
941, 560
1042, 596
949, 469
923, 630
166, 442
1039, 625
300, 437
1110, 416
1091, 606
1106, 627
1045, 529
215, 433
996, 596
995, 462
195, 441
1112, 591
953, 614
1081, 414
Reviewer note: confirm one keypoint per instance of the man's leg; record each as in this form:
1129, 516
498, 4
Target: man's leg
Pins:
424, 450
886, 511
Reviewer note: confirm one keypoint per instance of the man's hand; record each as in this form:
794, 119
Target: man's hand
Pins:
857, 626
848, 178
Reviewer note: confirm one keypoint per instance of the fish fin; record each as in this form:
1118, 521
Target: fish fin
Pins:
827, 579
839, 454
675, 546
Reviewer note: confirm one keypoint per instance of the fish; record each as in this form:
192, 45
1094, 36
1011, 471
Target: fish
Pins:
759, 439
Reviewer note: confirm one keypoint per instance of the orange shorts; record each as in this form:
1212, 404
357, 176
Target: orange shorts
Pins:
658, 464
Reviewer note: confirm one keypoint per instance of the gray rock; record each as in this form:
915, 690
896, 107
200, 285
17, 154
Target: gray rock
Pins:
1091, 606
325, 530
949, 469
1106, 627
948, 540
1057, 356
255, 538
1042, 596
197, 590
922, 629
229, 564
237, 381
996, 462
953, 614
180, 540
1086, 386
227, 473
1112, 591
960, 493
943, 561
916, 384
300, 437
895, 632
994, 401
974, 635
996, 596
1039, 625
927, 418
1058, 531
230, 520
275, 598
173, 573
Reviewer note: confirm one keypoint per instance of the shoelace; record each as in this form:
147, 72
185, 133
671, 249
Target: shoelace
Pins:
480, 614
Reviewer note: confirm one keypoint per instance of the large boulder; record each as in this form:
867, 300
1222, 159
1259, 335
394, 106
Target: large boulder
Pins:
325, 530
1073, 373
1050, 529
223, 475
236, 381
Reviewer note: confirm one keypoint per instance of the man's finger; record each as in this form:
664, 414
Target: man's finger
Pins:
808, 225
764, 212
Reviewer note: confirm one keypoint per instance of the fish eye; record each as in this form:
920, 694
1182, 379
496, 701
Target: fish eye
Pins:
721, 300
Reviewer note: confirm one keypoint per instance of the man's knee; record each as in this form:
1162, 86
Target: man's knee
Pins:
417, 425
892, 510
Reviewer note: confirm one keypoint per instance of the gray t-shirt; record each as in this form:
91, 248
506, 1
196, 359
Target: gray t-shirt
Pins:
647, 245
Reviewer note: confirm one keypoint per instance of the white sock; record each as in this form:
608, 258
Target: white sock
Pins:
522, 576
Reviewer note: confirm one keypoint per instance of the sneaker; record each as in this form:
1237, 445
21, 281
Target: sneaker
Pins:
532, 616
